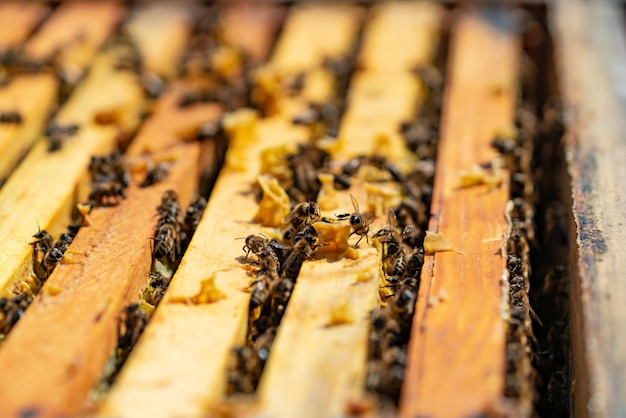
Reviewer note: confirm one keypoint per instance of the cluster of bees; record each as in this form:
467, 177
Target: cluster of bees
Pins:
47, 254
537, 353
277, 261
553, 280
110, 178
172, 236
277, 264
11, 310
517, 152
174, 231
402, 249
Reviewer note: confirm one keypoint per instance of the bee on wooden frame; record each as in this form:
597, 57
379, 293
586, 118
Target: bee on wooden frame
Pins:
43, 241
255, 243
302, 250
167, 238
109, 193
11, 117
360, 222
51, 259
268, 261
156, 174
520, 300
169, 204
57, 135
193, 214
304, 213
131, 327
11, 311
389, 237
158, 287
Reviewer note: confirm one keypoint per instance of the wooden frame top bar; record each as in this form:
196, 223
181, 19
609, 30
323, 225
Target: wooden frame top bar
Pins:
178, 366
17, 21
456, 354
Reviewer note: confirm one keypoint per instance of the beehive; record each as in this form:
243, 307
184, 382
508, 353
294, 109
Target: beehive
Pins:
439, 181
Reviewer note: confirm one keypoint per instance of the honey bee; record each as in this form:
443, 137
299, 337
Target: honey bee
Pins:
519, 299
514, 263
280, 249
43, 241
260, 292
352, 166
169, 204
383, 163
280, 292
156, 174
390, 239
13, 117
108, 193
131, 327
304, 213
110, 178
64, 241
341, 181
378, 324
263, 344
57, 135
302, 250
167, 238
360, 222
51, 259
399, 264
401, 310
386, 375
415, 264
268, 261
158, 286
255, 243
11, 311
193, 214
245, 370
307, 233
518, 283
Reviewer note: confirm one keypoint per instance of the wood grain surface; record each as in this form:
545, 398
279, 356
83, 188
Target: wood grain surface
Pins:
456, 354
590, 52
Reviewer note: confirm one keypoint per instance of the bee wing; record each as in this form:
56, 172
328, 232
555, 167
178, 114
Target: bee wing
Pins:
354, 203
407, 232
368, 218
534, 315
391, 216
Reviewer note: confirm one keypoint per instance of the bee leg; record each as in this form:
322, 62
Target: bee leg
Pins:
357, 243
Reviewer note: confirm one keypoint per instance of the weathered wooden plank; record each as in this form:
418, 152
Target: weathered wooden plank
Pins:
34, 98
317, 368
456, 354
17, 21
23, 207
591, 58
